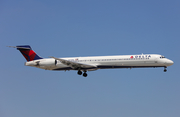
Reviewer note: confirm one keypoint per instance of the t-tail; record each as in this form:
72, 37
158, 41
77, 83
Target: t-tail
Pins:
27, 52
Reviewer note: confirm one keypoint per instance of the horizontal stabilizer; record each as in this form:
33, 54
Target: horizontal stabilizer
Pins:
20, 47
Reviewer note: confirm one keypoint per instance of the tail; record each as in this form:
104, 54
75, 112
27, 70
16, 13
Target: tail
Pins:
28, 53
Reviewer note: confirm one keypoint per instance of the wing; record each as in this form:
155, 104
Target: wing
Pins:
74, 65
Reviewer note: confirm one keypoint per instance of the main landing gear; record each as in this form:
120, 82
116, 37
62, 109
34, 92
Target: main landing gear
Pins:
80, 73
165, 70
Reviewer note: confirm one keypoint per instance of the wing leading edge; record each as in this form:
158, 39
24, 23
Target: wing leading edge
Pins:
75, 65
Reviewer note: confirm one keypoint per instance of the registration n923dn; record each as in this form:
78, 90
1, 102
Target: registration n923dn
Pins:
84, 64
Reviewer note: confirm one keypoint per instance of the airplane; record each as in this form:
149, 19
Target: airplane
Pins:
84, 64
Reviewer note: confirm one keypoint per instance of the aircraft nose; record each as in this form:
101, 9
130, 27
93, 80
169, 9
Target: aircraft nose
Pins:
169, 62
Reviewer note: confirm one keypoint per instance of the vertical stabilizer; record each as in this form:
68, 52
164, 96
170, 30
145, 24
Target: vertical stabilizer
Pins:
28, 53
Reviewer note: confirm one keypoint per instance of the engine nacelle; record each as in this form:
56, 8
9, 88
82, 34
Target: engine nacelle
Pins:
47, 63
43, 63
31, 63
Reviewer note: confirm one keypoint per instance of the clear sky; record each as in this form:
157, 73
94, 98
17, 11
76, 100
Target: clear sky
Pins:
68, 28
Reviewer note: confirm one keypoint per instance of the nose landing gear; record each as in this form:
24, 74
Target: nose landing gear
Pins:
165, 70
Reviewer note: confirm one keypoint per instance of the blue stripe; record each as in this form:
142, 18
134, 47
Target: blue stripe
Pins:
108, 67
37, 57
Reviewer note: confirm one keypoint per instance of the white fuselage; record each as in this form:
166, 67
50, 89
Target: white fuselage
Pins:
105, 62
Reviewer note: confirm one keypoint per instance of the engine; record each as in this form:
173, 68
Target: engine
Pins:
42, 63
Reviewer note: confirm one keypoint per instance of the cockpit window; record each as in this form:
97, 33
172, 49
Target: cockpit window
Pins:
162, 57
